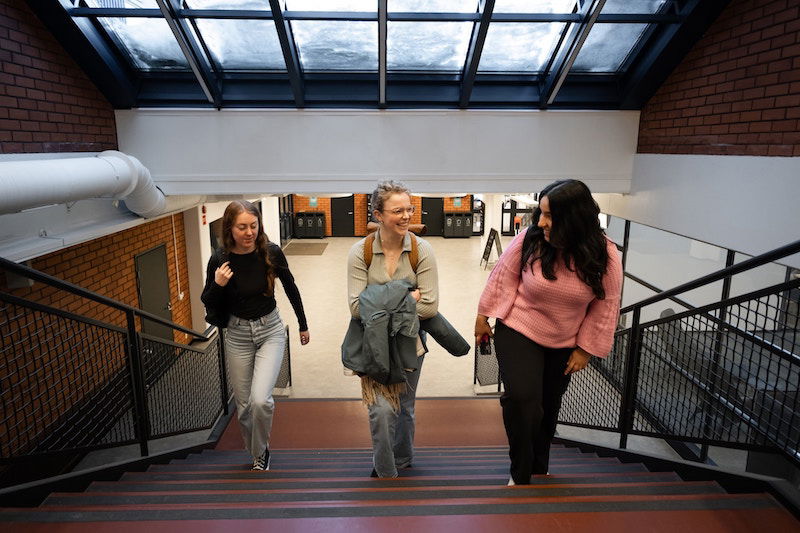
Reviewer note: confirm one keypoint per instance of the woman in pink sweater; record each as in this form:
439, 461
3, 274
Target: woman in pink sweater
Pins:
555, 293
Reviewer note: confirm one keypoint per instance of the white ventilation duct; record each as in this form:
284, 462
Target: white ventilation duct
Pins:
25, 184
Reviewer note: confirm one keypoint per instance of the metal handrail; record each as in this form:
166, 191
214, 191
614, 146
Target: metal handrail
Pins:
36, 275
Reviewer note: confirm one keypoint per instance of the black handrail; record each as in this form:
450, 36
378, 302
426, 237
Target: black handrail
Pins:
763, 259
36, 275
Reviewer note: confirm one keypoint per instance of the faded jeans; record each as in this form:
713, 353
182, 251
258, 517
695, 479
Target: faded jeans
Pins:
393, 432
253, 354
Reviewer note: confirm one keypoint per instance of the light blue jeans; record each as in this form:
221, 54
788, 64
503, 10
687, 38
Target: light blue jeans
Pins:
393, 431
253, 355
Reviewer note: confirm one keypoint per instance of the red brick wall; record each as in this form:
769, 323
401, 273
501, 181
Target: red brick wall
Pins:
47, 104
106, 266
737, 92
466, 205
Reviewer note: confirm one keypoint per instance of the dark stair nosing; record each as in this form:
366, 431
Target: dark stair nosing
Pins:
425, 507
549, 491
364, 481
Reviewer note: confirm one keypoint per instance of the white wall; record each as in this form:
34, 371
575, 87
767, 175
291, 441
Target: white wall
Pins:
330, 151
748, 204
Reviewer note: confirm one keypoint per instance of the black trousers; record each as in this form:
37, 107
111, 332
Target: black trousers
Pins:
534, 382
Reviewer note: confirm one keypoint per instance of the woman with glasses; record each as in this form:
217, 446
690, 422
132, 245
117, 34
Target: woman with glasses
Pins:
555, 293
394, 257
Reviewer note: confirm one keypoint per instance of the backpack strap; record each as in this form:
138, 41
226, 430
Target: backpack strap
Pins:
413, 257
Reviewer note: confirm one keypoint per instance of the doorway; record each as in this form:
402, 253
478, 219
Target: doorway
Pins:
152, 280
433, 215
342, 221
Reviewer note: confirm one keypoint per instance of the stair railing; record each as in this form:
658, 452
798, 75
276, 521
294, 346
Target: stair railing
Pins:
71, 383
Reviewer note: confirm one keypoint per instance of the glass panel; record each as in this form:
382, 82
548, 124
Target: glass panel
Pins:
243, 44
633, 6
519, 47
616, 229
127, 4
534, 6
148, 41
667, 260
337, 45
757, 278
365, 6
432, 6
440, 46
261, 5
607, 47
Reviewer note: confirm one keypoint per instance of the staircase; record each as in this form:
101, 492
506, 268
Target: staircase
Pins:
447, 489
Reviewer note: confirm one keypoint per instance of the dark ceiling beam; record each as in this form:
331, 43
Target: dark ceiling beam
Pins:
569, 50
479, 31
382, 57
91, 50
666, 50
290, 53
191, 50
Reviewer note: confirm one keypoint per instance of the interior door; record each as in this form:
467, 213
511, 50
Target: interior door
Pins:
152, 279
342, 218
433, 215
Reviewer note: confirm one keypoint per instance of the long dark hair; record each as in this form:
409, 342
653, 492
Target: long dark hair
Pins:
575, 238
233, 210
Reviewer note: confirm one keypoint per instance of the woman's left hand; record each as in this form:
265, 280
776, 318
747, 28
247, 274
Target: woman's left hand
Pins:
415, 294
304, 337
578, 360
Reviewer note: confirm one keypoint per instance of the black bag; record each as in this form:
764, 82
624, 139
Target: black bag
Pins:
218, 316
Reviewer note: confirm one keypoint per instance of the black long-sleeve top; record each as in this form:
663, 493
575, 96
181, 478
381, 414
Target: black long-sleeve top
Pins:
244, 295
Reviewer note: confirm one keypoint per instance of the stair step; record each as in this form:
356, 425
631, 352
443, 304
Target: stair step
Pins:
243, 471
399, 507
374, 493
262, 481
279, 462
663, 521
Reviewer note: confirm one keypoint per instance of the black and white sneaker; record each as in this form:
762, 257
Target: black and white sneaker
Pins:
262, 463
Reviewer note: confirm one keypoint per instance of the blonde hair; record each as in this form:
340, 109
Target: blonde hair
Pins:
384, 190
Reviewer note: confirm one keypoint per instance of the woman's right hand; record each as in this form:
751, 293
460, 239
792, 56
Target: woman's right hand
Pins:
223, 274
482, 328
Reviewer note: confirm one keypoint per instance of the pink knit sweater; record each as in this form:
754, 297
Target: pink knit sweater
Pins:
556, 314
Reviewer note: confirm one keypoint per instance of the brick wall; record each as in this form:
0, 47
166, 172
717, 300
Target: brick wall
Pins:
106, 266
47, 104
466, 205
737, 92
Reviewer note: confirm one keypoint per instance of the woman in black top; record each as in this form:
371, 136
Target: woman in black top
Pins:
240, 282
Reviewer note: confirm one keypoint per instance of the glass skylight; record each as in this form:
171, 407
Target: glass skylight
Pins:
519, 47
534, 6
337, 45
430, 46
432, 6
243, 44
148, 41
228, 4
607, 47
363, 6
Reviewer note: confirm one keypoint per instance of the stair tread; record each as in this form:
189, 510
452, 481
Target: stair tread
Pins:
418, 507
376, 493
365, 481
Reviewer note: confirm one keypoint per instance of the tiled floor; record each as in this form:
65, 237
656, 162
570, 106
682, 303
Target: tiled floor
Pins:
322, 279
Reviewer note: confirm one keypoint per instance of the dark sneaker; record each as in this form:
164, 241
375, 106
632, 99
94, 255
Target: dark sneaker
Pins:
262, 463
374, 473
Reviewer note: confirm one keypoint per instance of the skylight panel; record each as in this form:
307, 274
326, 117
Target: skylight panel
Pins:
427, 46
519, 47
149, 42
337, 45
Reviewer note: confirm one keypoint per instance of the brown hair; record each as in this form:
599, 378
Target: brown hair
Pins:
234, 209
384, 190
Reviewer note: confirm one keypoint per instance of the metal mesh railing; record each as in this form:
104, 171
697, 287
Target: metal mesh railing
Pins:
64, 382
594, 395
182, 386
733, 381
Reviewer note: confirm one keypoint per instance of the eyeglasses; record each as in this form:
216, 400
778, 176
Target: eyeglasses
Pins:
399, 211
